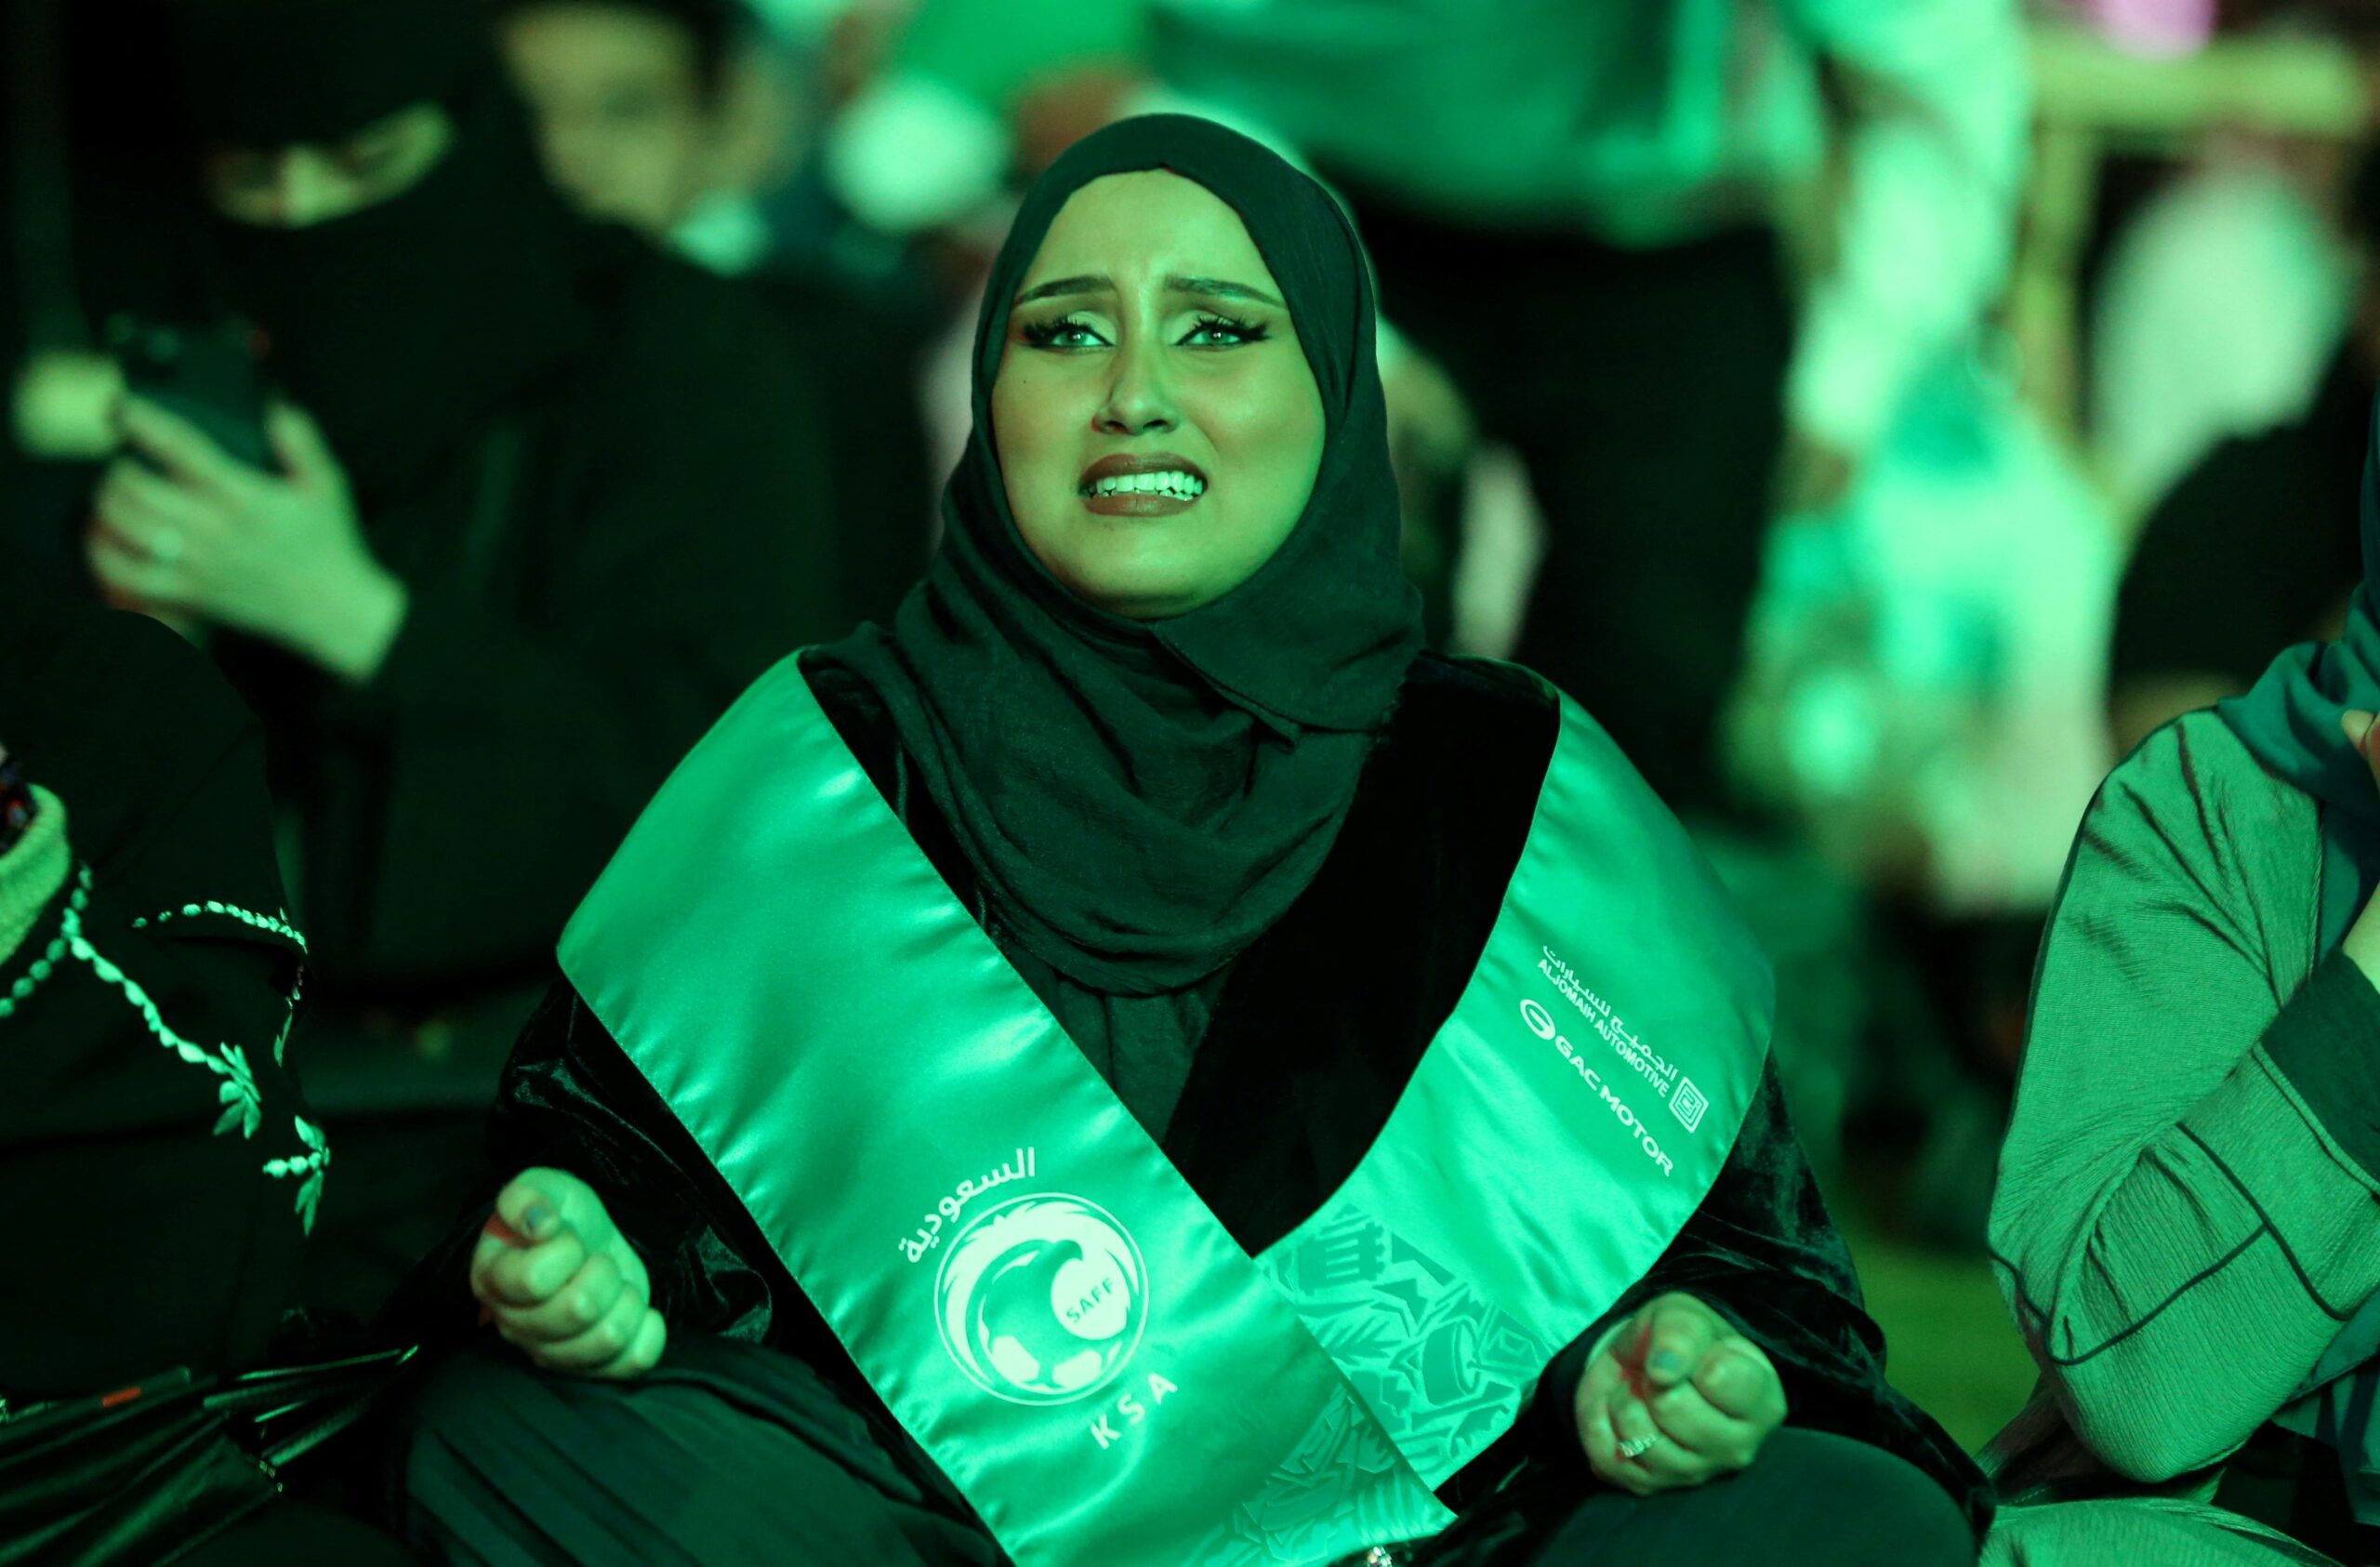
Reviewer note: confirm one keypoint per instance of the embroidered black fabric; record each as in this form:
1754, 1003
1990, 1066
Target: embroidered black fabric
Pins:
104, 1133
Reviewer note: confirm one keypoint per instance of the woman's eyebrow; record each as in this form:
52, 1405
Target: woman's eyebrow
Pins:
1088, 282
1217, 288
1093, 283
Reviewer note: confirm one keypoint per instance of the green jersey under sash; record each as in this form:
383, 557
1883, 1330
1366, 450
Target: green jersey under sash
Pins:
1021, 1273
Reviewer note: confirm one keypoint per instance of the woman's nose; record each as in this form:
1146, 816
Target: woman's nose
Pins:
1139, 395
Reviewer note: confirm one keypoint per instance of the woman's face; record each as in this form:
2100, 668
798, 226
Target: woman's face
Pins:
298, 186
1157, 423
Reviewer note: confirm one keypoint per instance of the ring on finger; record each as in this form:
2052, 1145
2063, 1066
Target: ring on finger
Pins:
1636, 1447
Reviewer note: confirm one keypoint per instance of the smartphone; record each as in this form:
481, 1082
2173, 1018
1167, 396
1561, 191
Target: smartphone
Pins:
207, 374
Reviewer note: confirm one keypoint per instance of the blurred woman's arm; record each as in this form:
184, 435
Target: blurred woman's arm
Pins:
2187, 1203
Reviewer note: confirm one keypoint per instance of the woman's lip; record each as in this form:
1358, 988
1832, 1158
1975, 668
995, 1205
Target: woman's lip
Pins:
1118, 464
1137, 503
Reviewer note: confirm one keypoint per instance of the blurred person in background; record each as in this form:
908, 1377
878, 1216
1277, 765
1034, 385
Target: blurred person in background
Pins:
630, 99
2256, 546
1617, 175
2185, 1218
532, 503
2221, 296
159, 1170
2232, 252
645, 116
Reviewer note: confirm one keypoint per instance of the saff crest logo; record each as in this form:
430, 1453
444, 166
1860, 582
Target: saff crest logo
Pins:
1042, 1299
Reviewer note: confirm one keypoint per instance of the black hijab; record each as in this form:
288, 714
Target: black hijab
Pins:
407, 327
1143, 798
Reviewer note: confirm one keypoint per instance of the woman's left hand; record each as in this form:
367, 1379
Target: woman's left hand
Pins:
185, 527
1675, 1396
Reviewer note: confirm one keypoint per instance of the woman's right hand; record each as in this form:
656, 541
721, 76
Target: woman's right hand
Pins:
560, 1280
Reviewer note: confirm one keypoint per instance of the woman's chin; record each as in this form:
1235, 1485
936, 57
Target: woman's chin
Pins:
1137, 596
1141, 578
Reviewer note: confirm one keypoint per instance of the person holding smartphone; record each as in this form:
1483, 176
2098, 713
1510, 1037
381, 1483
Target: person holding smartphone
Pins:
539, 500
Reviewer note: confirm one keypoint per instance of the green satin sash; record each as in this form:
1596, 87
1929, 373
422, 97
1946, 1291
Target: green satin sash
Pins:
1021, 1273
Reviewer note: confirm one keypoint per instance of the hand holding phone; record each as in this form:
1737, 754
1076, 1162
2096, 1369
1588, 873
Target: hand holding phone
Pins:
208, 375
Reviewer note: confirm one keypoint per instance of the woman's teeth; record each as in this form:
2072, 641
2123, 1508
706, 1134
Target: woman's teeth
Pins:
1180, 486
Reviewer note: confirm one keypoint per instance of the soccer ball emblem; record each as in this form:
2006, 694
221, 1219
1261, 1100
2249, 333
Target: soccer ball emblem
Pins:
1041, 1300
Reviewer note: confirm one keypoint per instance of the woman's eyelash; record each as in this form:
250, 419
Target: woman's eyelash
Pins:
1045, 334
1245, 331
1051, 334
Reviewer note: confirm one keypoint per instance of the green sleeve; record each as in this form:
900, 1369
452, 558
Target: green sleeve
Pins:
2179, 1231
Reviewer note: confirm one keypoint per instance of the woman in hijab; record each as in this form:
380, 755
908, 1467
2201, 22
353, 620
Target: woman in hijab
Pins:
541, 501
1138, 1063
2186, 1218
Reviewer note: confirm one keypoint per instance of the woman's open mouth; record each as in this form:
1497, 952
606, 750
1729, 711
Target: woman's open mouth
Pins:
1156, 485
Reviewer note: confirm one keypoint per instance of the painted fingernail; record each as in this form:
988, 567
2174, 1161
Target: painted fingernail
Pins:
1664, 1363
536, 1219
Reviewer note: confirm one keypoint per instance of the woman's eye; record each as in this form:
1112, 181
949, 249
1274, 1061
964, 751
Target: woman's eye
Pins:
1220, 331
1207, 332
1059, 334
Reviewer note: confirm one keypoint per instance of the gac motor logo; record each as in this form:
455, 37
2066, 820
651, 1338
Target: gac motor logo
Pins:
1042, 1299
1541, 1023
